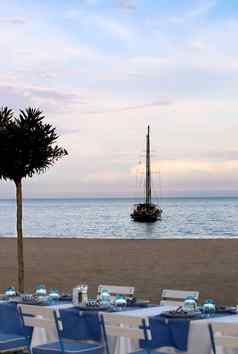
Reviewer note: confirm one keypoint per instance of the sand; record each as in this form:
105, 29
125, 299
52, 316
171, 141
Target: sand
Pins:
209, 266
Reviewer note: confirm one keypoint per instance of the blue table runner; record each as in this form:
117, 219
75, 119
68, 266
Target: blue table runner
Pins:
169, 333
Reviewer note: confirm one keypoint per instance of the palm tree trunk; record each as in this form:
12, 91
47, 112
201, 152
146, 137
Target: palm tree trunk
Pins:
20, 257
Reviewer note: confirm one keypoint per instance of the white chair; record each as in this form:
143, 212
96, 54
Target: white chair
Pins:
223, 335
131, 327
176, 297
114, 290
123, 326
39, 317
50, 320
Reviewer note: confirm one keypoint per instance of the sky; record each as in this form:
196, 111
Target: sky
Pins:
102, 70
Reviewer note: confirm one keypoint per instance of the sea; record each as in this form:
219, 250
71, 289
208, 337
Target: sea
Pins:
110, 218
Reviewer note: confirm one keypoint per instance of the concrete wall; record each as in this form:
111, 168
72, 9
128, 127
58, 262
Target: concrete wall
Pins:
209, 266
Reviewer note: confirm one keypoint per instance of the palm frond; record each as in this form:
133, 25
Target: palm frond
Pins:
27, 144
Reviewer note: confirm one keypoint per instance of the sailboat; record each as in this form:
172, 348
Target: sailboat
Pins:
147, 211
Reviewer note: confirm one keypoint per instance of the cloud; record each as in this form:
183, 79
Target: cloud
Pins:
102, 76
206, 106
125, 5
187, 168
51, 94
183, 68
225, 155
128, 5
192, 176
113, 28
12, 20
131, 108
41, 92
66, 131
74, 14
198, 10
102, 22
203, 8
52, 100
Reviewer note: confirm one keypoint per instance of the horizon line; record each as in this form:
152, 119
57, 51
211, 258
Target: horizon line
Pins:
124, 197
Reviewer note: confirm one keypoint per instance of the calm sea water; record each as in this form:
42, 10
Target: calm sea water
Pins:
109, 218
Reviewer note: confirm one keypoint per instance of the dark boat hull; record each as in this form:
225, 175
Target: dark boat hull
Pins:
145, 218
144, 213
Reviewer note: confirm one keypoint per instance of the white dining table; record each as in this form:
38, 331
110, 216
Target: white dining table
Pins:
198, 339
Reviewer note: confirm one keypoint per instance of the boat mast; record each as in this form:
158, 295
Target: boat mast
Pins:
148, 171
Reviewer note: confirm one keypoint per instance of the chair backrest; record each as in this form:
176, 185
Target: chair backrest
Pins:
223, 334
38, 316
115, 290
176, 297
125, 326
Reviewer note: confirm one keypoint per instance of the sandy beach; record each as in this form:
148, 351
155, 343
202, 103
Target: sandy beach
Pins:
209, 266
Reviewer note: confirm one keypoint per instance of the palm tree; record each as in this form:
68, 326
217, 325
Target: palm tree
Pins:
27, 146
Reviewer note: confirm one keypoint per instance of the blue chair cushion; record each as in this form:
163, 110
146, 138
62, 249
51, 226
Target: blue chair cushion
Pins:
11, 341
147, 352
70, 348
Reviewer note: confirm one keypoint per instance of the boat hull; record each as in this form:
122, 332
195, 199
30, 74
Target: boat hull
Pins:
145, 213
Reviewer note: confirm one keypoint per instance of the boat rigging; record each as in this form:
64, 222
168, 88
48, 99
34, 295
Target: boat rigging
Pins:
147, 211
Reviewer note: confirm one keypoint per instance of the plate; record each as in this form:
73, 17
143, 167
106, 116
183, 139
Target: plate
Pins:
139, 303
94, 308
32, 302
226, 309
182, 314
66, 297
